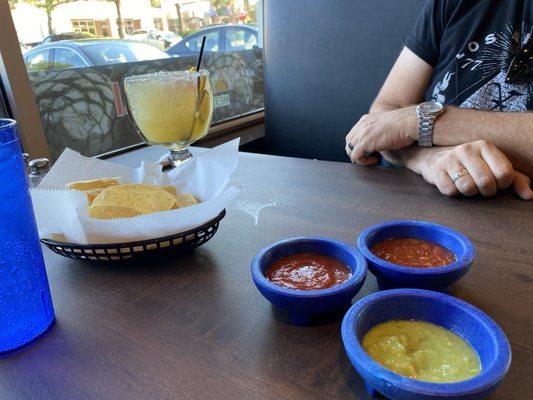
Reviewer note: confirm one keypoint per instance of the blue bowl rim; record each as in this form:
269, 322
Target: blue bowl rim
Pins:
484, 380
358, 275
464, 262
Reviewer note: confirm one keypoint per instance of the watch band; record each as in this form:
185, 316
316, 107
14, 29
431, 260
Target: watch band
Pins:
425, 130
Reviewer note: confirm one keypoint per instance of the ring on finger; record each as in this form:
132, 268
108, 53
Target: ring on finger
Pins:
455, 176
350, 146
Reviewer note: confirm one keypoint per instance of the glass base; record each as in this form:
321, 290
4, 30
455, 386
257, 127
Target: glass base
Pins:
178, 157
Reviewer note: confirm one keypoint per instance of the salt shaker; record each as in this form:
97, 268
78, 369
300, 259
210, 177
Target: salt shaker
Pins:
37, 171
26, 158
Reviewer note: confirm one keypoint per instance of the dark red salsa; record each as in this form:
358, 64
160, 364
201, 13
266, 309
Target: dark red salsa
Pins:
308, 271
417, 253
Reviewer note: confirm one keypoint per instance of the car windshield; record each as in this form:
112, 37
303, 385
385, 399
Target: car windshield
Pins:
116, 53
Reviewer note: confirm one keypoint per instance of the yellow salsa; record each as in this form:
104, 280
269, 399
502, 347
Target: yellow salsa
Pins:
421, 350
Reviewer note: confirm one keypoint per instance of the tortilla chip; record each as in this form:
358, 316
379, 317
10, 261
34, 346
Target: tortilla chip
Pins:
92, 184
185, 200
91, 194
146, 199
171, 189
109, 212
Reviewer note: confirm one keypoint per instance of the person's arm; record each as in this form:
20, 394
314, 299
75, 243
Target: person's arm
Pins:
393, 123
511, 132
404, 87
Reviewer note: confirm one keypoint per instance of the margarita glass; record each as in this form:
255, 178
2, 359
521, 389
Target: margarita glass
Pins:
172, 109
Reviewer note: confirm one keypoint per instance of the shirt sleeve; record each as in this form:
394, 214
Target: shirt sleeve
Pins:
425, 37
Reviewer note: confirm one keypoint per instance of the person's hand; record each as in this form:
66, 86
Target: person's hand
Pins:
389, 130
472, 168
522, 186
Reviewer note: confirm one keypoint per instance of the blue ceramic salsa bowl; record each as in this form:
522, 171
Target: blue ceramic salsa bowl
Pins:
483, 334
391, 275
302, 304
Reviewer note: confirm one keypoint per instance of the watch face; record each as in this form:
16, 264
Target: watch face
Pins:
430, 107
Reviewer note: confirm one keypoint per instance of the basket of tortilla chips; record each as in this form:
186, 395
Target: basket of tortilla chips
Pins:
120, 213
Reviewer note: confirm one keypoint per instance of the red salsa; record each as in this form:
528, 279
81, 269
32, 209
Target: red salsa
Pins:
417, 253
307, 271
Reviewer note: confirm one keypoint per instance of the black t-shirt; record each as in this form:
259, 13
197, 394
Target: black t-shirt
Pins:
470, 44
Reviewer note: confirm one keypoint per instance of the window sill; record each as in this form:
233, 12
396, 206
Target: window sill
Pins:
248, 127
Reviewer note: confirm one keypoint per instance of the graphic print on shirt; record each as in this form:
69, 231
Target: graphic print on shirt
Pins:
489, 60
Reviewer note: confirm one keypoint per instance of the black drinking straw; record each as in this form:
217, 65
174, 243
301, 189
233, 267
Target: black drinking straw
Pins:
199, 96
201, 54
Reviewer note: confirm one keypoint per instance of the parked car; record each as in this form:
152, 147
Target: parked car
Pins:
160, 39
57, 37
85, 53
218, 38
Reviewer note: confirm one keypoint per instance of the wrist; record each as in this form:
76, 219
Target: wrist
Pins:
412, 123
427, 114
417, 158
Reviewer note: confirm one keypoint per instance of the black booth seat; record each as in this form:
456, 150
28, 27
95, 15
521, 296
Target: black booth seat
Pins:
324, 62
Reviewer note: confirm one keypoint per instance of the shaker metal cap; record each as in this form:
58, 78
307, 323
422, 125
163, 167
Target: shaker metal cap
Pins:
39, 165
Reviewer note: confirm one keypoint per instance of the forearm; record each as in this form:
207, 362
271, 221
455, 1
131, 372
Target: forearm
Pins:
511, 132
379, 106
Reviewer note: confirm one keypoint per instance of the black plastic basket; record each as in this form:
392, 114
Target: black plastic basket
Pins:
127, 251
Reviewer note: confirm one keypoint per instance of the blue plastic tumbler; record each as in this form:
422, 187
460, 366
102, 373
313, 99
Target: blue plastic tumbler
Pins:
26, 310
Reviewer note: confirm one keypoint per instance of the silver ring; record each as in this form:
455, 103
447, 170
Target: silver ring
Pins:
350, 146
455, 176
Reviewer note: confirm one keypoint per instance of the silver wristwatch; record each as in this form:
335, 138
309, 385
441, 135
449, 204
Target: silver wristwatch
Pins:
427, 112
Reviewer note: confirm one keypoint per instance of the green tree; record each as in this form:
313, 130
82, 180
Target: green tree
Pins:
48, 6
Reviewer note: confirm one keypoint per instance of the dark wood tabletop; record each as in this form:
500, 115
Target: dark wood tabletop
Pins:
194, 326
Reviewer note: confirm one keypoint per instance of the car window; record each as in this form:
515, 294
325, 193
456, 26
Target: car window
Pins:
39, 61
66, 58
116, 53
240, 39
211, 42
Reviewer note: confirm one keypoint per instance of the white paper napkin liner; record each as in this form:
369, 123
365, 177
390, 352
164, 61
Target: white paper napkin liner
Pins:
155, 225
56, 213
63, 212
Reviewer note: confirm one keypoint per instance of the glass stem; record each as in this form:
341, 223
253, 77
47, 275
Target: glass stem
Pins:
178, 157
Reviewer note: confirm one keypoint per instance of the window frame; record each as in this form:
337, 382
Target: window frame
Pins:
20, 101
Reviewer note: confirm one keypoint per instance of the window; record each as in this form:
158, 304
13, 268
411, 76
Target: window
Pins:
103, 28
116, 53
212, 42
78, 85
66, 58
131, 24
240, 39
38, 60
158, 23
84, 25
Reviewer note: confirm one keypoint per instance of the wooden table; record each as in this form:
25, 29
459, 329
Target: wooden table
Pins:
195, 327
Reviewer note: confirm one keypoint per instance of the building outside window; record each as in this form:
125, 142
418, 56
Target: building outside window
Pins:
78, 85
